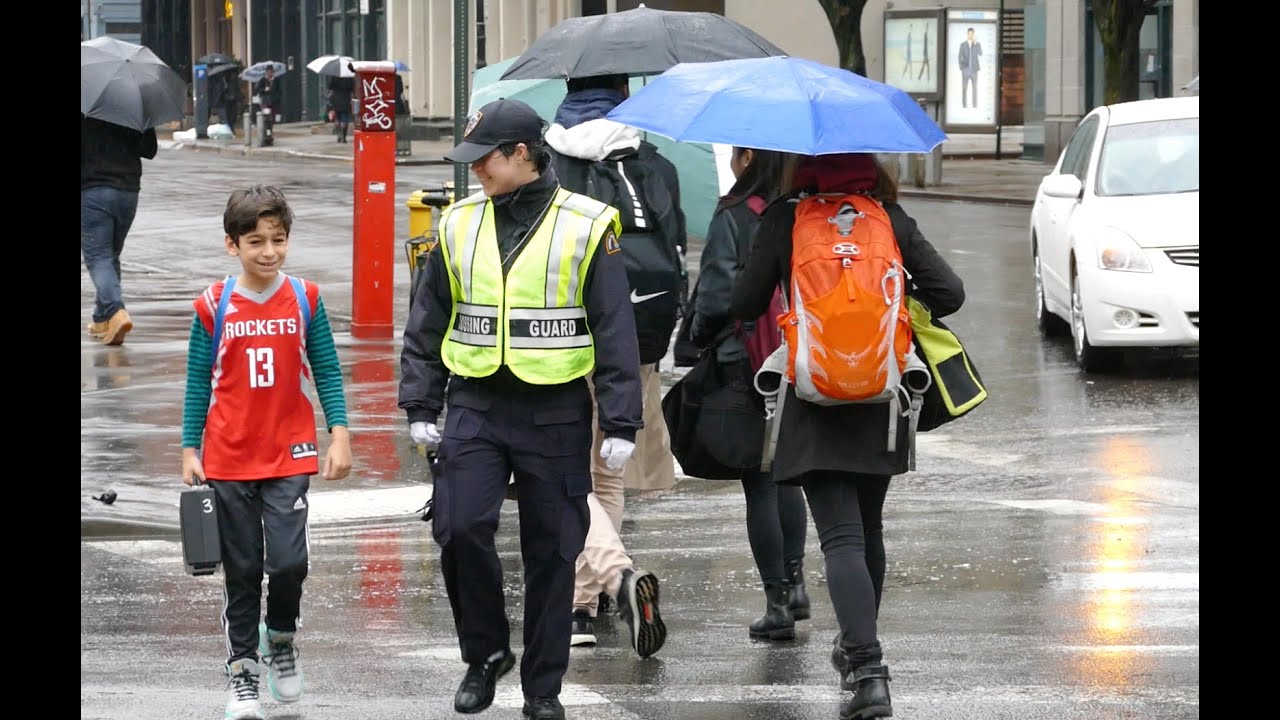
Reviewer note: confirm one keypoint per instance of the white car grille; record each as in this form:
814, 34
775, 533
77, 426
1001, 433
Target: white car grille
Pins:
1185, 256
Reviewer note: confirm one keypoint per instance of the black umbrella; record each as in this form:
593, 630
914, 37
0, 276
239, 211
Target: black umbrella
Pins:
217, 58
642, 41
126, 84
219, 69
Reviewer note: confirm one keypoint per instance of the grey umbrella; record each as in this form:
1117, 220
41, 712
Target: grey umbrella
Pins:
642, 41
126, 84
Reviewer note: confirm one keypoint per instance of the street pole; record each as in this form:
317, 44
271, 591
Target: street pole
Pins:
999, 76
460, 91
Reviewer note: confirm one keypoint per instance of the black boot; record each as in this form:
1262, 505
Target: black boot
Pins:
870, 693
840, 661
799, 598
777, 623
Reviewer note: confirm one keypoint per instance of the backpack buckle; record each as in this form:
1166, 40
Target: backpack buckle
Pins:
845, 218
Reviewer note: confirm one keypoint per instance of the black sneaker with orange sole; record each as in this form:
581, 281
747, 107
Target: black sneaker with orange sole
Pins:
638, 607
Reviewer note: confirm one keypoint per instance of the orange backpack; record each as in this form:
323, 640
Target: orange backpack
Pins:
848, 330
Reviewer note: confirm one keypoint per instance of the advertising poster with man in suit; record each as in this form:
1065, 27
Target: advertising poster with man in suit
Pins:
973, 52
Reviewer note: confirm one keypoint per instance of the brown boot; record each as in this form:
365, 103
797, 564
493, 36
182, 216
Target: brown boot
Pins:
117, 327
97, 329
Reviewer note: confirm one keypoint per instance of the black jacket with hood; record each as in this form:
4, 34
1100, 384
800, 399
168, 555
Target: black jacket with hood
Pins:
582, 137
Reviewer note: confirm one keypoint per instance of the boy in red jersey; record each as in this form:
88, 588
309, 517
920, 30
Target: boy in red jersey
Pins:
248, 428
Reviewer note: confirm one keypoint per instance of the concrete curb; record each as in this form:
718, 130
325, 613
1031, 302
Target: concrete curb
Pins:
959, 197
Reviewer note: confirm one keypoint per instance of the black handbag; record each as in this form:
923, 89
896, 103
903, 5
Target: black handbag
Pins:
715, 418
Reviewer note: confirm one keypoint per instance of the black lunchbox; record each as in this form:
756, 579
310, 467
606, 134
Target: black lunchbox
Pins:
198, 517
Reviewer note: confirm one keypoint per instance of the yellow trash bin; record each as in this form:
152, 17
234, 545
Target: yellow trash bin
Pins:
423, 206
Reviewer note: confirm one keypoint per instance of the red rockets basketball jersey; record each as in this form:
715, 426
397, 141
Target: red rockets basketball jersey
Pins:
261, 423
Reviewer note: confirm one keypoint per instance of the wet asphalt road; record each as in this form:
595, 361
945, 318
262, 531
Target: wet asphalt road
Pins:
1044, 557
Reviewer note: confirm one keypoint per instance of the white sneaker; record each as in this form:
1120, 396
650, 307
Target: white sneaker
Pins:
284, 674
243, 703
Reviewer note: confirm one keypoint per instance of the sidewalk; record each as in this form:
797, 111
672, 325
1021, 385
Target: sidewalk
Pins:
969, 171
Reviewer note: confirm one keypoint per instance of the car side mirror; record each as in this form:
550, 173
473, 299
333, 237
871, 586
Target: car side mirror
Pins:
1062, 186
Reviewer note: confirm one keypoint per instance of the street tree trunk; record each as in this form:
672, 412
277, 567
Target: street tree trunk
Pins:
1119, 25
845, 17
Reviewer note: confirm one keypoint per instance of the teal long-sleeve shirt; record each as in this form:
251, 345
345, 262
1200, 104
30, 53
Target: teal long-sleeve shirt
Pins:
322, 355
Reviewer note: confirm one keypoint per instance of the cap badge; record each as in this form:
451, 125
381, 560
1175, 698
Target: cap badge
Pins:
472, 122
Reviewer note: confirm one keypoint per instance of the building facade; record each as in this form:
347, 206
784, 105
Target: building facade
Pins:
1045, 66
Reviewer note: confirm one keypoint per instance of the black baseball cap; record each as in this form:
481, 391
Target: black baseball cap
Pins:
497, 123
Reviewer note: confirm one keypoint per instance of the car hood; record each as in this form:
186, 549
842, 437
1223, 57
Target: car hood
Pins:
1153, 221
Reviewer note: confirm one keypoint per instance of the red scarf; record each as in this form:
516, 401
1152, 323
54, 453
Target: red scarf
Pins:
846, 172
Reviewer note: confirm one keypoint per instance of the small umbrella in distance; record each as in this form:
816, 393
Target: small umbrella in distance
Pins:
339, 65
258, 70
126, 84
217, 58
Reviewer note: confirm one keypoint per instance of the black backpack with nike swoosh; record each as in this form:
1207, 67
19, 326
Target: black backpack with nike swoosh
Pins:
650, 241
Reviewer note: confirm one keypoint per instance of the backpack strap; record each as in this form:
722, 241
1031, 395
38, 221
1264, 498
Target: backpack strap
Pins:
300, 289
228, 286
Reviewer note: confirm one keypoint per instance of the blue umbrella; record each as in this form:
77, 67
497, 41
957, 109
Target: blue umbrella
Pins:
702, 174
780, 103
258, 70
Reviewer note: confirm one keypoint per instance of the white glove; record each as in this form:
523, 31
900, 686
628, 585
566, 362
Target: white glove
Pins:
424, 433
616, 452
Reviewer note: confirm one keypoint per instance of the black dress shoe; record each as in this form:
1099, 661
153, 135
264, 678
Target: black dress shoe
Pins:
543, 708
475, 694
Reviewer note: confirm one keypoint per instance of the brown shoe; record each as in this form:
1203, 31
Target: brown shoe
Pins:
117, 327
97, 329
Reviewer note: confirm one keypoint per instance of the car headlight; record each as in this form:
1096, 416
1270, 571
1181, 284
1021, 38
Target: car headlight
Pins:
1118, 251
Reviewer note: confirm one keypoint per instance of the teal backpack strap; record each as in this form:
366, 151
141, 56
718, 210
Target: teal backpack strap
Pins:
300, 289
228, 286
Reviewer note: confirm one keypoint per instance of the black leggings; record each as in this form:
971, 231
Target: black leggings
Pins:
846, 510
776, 525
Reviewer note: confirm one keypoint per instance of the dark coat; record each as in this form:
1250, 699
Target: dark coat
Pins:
842, 438
728, 242
424, 376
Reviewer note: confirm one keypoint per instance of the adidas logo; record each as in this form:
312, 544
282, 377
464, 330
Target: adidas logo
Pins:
302, 450
300, 504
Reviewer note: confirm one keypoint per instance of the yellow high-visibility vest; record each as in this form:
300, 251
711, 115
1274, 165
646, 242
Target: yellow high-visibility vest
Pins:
533, 320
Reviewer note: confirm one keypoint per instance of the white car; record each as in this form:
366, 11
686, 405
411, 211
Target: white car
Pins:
1115, 233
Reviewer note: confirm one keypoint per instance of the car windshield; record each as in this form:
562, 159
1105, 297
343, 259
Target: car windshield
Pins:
1150, 158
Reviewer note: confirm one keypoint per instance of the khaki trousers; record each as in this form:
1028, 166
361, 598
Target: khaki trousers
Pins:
604, 557
652, 466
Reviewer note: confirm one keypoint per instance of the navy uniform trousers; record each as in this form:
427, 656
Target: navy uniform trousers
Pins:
542, 435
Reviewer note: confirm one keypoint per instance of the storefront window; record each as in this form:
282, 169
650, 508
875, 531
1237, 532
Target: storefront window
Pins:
1034, 66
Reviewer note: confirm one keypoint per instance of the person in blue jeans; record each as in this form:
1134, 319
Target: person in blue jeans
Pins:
776, 519
110, 180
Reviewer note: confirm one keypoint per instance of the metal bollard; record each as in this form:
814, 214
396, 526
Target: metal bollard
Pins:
262, 128
248, 130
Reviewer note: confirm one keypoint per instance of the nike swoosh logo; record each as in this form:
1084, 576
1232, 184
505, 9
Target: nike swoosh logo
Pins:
641, 298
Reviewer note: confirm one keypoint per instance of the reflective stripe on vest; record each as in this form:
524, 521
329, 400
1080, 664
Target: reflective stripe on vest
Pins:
533, 320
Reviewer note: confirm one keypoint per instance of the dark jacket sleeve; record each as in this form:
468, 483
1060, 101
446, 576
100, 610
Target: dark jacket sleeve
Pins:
933, 281
716, 271
147, 144
671, 177
613, 328
768, 265
423, 374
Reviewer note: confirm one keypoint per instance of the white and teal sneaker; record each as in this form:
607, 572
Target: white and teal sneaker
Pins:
284, 674
243, 703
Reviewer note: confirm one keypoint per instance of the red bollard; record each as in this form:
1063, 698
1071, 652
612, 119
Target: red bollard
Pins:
373, 244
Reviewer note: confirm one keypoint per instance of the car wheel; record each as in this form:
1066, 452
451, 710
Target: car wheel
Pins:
1051, 326
1091, 359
